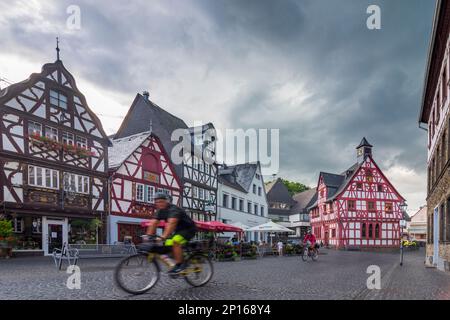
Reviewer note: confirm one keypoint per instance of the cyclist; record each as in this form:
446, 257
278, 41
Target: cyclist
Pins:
310, 240
178, 231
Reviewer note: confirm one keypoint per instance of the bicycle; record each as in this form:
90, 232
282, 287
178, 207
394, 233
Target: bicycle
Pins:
310, 253
138, 273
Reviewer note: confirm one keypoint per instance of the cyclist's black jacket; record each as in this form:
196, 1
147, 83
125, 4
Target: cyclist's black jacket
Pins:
185, 225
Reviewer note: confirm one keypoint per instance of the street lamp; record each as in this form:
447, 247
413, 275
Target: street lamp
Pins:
403, 207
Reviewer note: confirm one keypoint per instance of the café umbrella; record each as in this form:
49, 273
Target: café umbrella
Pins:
270, 227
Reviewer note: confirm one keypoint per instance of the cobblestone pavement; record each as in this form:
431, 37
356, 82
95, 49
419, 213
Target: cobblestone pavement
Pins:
336, 275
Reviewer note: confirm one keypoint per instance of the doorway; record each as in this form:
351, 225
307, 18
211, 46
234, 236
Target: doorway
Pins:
54, 234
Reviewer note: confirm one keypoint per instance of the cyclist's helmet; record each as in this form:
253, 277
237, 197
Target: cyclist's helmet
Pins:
163, 196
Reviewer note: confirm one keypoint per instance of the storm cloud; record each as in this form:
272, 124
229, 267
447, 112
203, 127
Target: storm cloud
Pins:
310, 68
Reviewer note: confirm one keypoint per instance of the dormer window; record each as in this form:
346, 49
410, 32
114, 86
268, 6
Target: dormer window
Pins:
58, 99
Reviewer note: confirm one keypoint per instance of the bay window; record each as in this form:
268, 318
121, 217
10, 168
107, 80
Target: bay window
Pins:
43, 177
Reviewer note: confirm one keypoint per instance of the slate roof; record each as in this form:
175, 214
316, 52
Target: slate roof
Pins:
122, 148
364, 143
303, 200
163, 123
278, 192
239, 176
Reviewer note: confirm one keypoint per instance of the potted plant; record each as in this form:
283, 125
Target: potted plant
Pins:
6, 238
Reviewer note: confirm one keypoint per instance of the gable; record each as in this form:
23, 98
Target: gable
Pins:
33, 96
370, 176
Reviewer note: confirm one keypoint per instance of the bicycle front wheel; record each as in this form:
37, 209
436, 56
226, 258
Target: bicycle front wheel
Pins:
199, 270
136, 274
315, 255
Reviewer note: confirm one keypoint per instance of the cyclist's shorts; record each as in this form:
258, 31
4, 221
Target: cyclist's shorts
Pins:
180, 238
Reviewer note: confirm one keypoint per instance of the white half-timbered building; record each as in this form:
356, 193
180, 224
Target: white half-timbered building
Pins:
197, 169
53, 162
139, 167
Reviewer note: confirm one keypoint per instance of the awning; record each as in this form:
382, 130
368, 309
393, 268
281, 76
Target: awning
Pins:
214, 226
270, 227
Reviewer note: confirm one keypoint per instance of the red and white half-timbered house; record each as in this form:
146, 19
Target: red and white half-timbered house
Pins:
53, 162
139, 167
358, 208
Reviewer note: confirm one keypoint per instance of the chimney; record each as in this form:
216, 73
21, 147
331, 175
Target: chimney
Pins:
146, 95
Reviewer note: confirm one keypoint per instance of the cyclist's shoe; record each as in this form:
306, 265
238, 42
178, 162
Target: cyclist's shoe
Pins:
177, 270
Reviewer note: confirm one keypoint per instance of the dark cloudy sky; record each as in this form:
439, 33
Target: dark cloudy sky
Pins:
308, 67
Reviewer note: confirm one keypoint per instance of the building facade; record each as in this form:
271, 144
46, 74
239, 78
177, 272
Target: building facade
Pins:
299, 219
280, 201
417, 227
243, 197
193, 160
434, 114
358, 208
139, 167
53, 162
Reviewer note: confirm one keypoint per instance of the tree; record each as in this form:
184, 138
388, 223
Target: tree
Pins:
294, 187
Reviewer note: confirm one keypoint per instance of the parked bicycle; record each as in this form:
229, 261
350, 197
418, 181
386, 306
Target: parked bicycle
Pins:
138, 273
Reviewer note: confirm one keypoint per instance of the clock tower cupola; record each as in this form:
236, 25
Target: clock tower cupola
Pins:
363, 150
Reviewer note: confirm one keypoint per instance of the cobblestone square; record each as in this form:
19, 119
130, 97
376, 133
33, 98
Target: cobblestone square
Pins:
336, 275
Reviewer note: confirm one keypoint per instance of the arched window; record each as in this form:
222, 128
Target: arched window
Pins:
377, 231
370, 231
363, 230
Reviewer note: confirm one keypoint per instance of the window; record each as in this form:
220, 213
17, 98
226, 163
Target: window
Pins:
262, 211
359, 186
51, 133
370, 231
241, 205
200, 193
139, 192
58, 99
254, 188
256, 209
145, 193
388, 207
363, 230
43, 177
233, 203
76, 183
18, 225
333, 233
81, 142
324, 209
351, 204
225, 200
369, 176
371, 205
68, 138
34, 128
36, 225
165, 191
259, 191
200, 166
380, 188
194, 192
258, 177
377, 231
207, 195
249, 207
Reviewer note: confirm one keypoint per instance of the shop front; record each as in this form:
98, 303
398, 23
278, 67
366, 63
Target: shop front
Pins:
40, 235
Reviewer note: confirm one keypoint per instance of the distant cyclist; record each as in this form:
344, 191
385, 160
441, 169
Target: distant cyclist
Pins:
178, 231
310, 240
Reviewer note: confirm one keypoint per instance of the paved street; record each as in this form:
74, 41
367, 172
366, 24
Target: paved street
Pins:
337, 275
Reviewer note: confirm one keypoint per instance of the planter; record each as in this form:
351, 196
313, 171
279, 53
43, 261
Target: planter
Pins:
5, 250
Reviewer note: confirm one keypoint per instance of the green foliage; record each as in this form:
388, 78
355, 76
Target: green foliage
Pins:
6, 228
294, 187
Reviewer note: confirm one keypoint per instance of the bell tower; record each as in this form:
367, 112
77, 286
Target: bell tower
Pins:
363, 150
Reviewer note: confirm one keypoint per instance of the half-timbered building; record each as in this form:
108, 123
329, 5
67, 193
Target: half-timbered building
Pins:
358, 208
197, 169
139, 167
53, 161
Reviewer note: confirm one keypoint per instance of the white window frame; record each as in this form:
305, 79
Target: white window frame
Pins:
34, 131
34, 172
201, 193
81, 142
194, 192
75, 180
68, 138
18, 227
51, 133
140, 192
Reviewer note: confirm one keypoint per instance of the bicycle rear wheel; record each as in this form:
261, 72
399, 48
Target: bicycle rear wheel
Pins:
136, 274
199, 270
